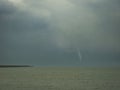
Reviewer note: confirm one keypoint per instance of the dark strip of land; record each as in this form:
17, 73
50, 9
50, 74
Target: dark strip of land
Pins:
7, 66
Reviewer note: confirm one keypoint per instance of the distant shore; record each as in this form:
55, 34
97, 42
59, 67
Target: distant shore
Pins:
5, 66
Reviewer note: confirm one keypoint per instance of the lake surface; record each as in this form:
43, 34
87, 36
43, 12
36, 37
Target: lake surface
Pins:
59, 78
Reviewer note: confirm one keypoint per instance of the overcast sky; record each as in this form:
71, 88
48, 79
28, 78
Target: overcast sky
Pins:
51, 32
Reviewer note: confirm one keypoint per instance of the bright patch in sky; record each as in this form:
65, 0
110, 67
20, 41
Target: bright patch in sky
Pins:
16, 1
59, 4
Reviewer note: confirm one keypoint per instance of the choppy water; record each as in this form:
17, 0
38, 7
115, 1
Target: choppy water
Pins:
59, 78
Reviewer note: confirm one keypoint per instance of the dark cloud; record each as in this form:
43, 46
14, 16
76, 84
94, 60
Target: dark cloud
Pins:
6, 8
48, 30
109, 13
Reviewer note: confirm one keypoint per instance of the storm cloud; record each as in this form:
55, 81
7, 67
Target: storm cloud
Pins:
42, 30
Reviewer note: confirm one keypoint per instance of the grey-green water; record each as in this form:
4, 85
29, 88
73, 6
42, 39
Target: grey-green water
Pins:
59, 78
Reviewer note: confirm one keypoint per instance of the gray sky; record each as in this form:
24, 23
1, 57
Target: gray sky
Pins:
47, 32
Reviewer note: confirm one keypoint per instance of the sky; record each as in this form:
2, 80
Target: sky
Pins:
60, 32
